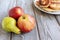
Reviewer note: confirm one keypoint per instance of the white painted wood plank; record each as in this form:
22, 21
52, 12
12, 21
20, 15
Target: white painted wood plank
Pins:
5, 5
33, 35
3, 12
48, 26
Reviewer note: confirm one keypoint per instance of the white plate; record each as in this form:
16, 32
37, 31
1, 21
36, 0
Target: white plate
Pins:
49, 12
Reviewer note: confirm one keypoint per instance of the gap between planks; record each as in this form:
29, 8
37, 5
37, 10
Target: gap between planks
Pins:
57, 19
36, 20
49, 18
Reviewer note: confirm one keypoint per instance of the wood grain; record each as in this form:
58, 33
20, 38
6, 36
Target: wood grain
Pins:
33, 35
48, 26
5, 5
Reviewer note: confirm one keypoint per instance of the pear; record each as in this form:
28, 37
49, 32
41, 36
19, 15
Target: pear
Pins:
9, 25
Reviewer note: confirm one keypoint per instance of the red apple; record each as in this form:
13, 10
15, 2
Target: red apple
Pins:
16, 12
26, 23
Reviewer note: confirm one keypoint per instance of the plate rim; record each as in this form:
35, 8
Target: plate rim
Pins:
53, 12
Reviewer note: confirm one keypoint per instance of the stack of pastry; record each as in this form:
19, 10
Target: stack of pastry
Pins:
49, 5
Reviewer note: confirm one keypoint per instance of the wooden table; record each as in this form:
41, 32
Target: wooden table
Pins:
47, 26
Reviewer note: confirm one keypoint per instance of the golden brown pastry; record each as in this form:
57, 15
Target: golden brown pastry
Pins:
48, 9
55, 4
44, 3
49, 5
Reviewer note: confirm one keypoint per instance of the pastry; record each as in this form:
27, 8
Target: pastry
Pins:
44, 3
55, 4
49, 5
